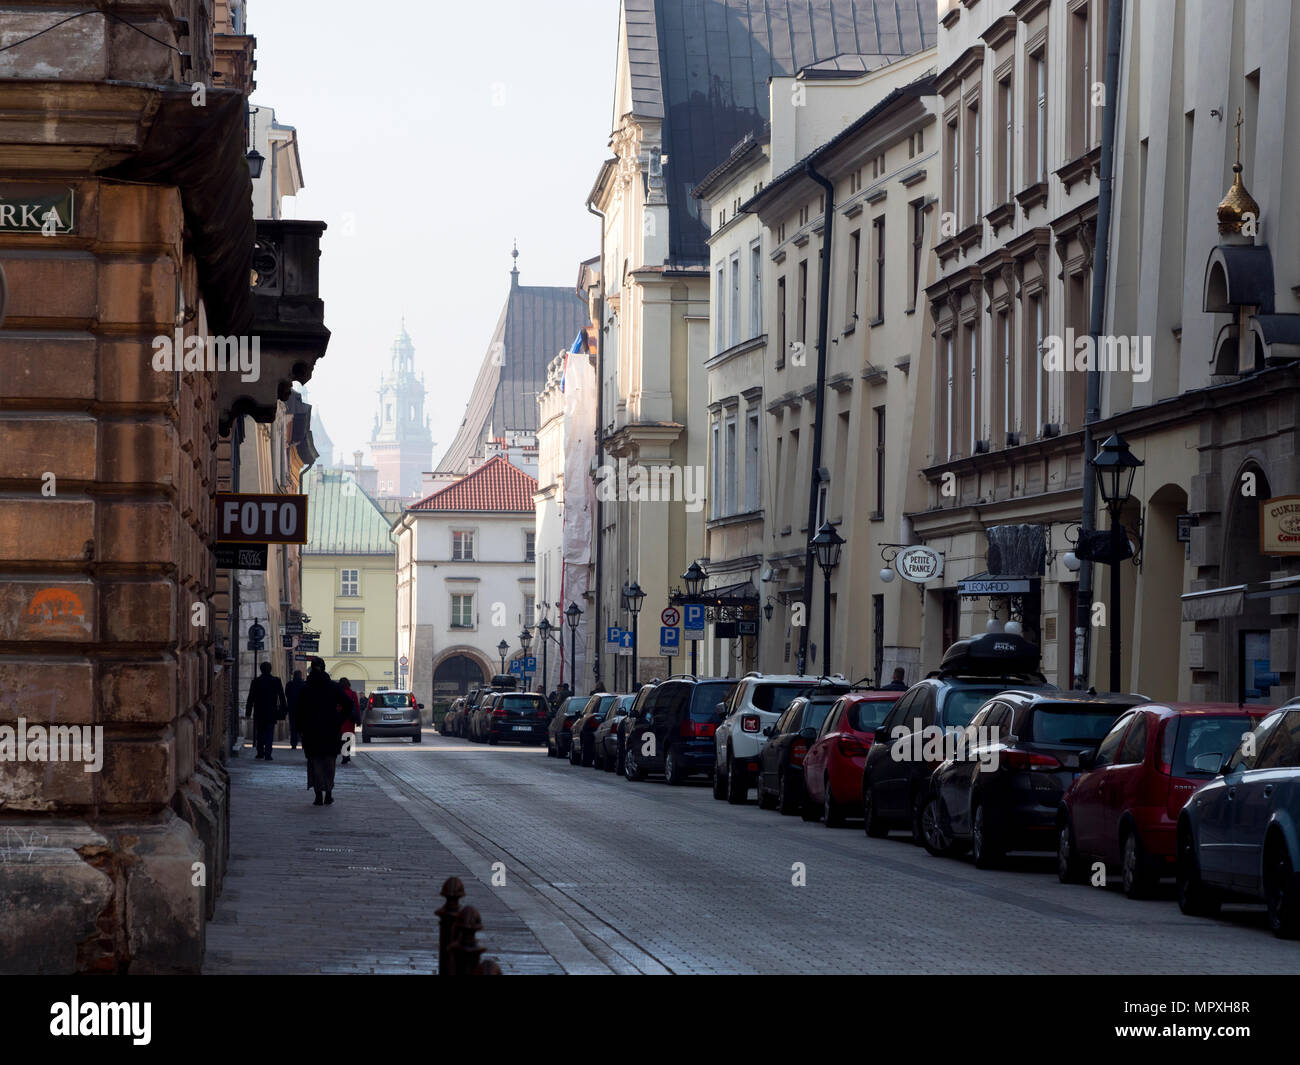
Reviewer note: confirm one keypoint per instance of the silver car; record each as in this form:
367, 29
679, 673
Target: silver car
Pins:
391, 713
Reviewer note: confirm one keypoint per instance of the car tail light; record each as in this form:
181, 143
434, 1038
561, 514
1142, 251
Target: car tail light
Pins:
568, 724
499, 711
696, 730
1165, 746
1020, 760
541, 713
798, 750
413, 698
851, 747
749, 723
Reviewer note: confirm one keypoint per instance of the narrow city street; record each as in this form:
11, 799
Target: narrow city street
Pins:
606, 876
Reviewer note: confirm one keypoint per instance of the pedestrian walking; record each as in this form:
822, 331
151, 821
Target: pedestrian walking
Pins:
351, 720
322, 706
291, 692
898, 684
266, 704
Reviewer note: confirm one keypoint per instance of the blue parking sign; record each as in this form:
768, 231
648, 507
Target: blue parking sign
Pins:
516, 666
694, 617
614, 635
530, 664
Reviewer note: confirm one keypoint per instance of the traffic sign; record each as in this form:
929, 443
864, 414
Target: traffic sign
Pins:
517, 666
530, 664
614, 635
671, 616
403, 661
669, 641
693, 624
625, 643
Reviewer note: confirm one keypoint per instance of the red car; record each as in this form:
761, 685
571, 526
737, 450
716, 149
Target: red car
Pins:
832, 768
1124, 810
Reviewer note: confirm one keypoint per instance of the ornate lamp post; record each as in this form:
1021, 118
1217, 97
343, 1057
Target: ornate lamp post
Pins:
503, 649
544, 631
633, 597
525, 642
826, 545
573, 615
1115, 466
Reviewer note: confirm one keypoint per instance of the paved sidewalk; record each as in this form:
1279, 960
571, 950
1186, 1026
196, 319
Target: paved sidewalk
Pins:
347, 888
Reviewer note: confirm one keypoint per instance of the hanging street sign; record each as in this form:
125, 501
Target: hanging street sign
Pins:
919, 564
241, 556
261, 519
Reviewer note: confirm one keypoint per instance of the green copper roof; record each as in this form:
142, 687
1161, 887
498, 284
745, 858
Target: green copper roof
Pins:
341, 518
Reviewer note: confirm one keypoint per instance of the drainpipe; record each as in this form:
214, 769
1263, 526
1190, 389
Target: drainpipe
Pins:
1096, 323
597, 643
823, 318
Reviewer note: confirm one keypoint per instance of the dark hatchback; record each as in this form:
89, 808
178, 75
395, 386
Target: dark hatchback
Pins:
582, 745
780, 762
609, 739
672, 730
1005, 775
559, 733
896, 774
520, 717
464, 710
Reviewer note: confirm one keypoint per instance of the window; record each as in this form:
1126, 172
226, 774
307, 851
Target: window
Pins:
462, 611
1108, 749
720, 312
1006, 139
729, 465
715, 468
751, 459
530, 610
918, 250
878, 248
1001, 364
1036, 399
530, 546
780, 323
855, 272
880, 460
1080, 90
1284, 751
972, 212
946, 399
388, 412
801, 322
462, 546
756, 290
350, 583
878, 638
952, 179
734, 335
1036, 119
348, 637
1134, 750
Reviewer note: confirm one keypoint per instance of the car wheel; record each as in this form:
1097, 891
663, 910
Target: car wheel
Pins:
492, 739
586, 755
917, 808
934, 837
719, 783
984, 847
575, 753
1195, 897
365, 737
620, 761
1069, 864
871, 823
550, 748
832, 815
632, 770
672, 768
786, 801
1280, 892
1138, 881
417, 738
767, 800
737, 784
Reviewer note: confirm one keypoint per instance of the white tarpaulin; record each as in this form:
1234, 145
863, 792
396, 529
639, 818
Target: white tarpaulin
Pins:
579, 499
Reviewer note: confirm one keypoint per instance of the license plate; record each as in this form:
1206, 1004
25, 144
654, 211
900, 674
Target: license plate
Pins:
392, 717
523, 728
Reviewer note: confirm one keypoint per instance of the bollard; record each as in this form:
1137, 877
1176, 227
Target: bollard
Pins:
452, 891
465, 951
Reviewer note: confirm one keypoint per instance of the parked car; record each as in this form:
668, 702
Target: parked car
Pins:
758, 701
460, 723
446, 723
1012, 766
1124, 810
896, 773
582, 745
832, 769
779, 779
608, 740
391, 713
672, 729
1238, 837
559, 733
518, 716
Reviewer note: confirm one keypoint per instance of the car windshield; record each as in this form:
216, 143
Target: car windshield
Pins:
960, 704
523, 702
815, 711
705, 699
1199, 736
1079, 723
869, 716
391, 699
775, 698
573, 707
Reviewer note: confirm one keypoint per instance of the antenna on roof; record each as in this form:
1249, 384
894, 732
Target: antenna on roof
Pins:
514, 272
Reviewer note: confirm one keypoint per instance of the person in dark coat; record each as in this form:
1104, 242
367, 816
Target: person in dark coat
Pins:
267, 705
898, 684
291, 691
322, 707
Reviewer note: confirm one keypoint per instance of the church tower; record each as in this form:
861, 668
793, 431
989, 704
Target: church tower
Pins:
401, 444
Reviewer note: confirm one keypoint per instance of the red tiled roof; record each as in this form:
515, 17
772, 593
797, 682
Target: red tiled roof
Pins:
496, 485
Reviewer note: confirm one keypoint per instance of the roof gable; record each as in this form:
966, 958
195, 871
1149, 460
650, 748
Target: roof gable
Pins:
341, 518
494, 486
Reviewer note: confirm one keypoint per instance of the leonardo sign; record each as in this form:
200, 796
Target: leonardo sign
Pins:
919, 564
1279, 526
48, 209
265, 519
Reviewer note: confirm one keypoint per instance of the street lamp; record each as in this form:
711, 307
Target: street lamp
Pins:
525, 642
503, 649
633, 597
544, 631
573, 614
694, 579
826, 546
255, 161
1115, 466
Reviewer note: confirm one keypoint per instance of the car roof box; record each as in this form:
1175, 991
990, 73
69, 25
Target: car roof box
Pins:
992, 654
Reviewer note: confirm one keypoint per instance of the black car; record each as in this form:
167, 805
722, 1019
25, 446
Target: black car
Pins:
1004, 776
896, 776
582, 744
559, 733
608, 739
460, 720
672, 729
780, 762
520, 717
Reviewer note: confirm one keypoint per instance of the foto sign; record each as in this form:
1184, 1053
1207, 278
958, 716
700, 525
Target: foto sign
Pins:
261, 519
919, 564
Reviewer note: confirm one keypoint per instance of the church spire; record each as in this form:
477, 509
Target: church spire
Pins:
514, 271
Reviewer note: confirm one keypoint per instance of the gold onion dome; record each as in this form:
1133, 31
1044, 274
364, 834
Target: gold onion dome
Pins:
1236, 205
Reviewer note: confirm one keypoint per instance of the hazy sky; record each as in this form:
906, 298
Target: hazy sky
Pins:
433, 133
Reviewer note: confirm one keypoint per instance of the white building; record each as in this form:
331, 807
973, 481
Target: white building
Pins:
465, 580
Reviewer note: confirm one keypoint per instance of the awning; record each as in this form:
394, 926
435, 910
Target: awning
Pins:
1214, 603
